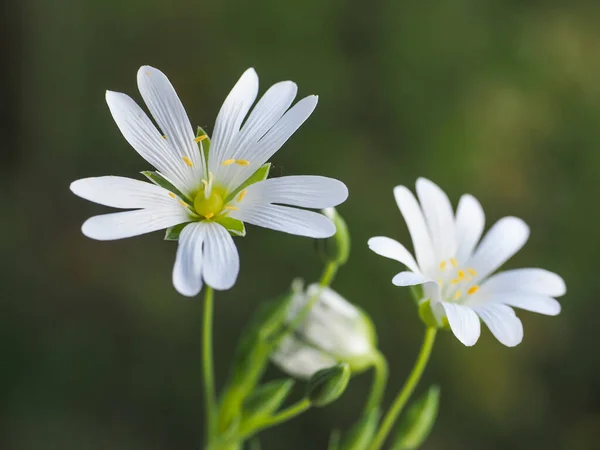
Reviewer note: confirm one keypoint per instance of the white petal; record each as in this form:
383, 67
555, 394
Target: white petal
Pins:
504, 239
503, 323
121, 225
230, 118
168, 111
221, 259
266, 147
409, 279
389, 248
470, 221
540, 304
269, 109
533, 280
438, 213
143, 136
411, 211
463, 322
286, 219
304, 191
299, 359
187, 271
120, 192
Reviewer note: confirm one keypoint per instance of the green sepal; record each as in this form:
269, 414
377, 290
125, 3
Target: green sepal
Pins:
161, 181
361, 434
327, 385
204, 144
234, 226
172, 234
418, 421
266, 399
261, 174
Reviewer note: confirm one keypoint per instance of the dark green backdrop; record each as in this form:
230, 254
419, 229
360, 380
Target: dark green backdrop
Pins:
497, 98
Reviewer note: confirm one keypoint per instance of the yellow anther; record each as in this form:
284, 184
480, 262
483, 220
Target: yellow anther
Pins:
242, 162
242, 195
457, 295
454, 262
164, 136
473, 289
461, 274
228, 162
200, 138
455, 281
188, 161
182, 203
209, 215
232, 208
443, 265
472, 272
172, 195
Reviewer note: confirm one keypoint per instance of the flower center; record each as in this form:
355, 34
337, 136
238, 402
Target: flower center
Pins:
456, 282
210, 206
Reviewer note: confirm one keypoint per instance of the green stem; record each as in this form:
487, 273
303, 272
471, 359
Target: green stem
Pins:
407, 389
207, 357
328, 274
380, 376
283, 416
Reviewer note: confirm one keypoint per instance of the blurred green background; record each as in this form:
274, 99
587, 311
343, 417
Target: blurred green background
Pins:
500, 99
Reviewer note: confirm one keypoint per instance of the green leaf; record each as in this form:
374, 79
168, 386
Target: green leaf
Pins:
161, 181
418, 422
172, 234
252, 357
261, 174
234, 226
266, 399
361, 434
327, 385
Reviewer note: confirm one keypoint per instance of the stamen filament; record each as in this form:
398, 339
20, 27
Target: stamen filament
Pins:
454, 262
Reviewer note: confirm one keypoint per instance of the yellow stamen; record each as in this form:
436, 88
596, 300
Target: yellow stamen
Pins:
232, 208
461, 274
188, 161
182, 203
172, 195
443, 265
457, 295
242, 162
472, 272
455, 281
228, 162
242, 195
454, 262
164, 136
200, 138
473, 289
209, 215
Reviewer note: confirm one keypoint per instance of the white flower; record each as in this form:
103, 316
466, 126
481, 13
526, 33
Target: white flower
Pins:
455, 270
210, 194
334, 331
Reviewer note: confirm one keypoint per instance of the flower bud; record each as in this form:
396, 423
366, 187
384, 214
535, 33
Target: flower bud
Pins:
327, 385
336, 248
333, 331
